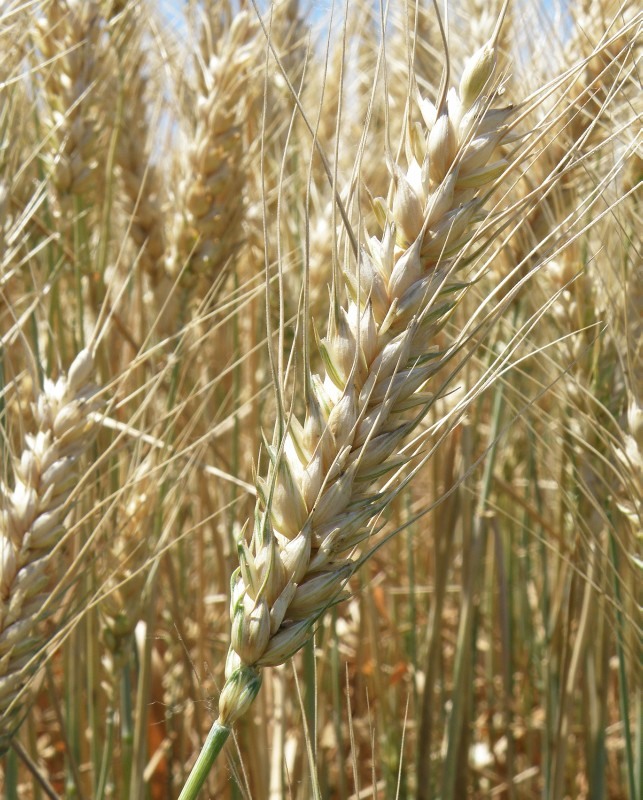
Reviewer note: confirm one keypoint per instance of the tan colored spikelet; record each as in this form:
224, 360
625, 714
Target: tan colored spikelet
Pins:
589, 287
32, 523
320, 494
415, 42
289, 34
18, 171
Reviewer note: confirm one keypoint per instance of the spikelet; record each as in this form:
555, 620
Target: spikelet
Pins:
17, 175
315, 504
608, 32
414, 55
289, 35
32, 523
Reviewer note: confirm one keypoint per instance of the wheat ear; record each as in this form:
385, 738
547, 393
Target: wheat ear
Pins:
318, 498
32, 525
68, 34
206, 227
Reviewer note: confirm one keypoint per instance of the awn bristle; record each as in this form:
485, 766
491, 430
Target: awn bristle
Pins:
318, 498
32, 524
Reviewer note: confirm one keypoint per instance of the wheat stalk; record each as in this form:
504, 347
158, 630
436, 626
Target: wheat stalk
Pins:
32, 524
317, 500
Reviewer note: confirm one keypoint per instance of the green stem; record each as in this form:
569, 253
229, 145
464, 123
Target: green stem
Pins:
92, 670
40, 780
127, 728
11, 775
238, 694
336, 685
213, 745
310, 693
139, 746
72, 709
106, 761
622, 674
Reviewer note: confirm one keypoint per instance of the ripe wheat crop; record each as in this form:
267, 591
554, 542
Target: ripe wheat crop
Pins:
321, 400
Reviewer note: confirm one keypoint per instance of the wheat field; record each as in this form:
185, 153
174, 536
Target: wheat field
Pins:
321, 400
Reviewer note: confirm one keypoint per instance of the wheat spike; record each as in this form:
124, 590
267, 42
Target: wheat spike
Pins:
32, 524
140, 177
319, 495
206, 227
69, 36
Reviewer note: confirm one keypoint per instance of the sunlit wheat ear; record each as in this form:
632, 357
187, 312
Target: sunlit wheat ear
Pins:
32, 523
318, 496
608, 32
320, 491
207, 223
69, 35
289, 34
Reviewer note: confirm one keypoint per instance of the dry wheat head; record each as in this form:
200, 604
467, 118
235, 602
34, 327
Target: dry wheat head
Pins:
32, 524
320, 493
